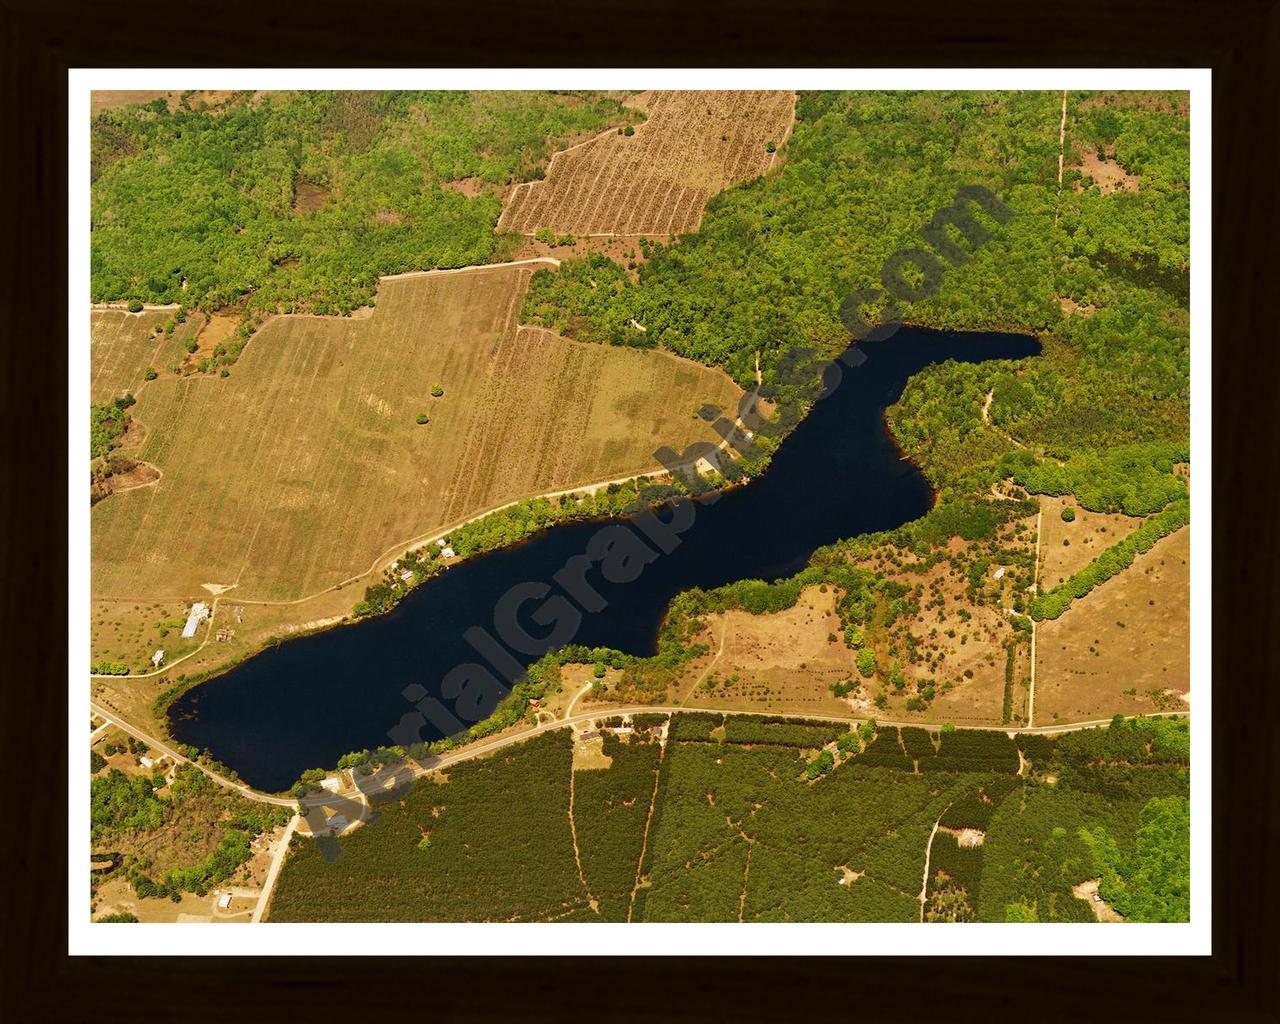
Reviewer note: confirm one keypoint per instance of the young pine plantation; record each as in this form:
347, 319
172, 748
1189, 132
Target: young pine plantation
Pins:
752, 819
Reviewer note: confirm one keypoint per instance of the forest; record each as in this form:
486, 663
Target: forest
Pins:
175, 837
740, 830
298, 202
1101, 278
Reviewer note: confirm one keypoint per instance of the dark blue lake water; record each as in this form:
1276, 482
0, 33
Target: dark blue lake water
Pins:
308, 701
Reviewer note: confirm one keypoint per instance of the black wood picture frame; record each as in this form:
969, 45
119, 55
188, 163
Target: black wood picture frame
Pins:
1238, 39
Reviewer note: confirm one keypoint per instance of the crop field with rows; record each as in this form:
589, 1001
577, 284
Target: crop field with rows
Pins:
657, 181
307, 462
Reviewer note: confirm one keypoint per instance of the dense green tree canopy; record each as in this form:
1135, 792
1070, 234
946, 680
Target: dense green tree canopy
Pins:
1102, 278
303, 199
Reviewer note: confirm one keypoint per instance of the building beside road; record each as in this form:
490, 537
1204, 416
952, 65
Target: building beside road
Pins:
199, 612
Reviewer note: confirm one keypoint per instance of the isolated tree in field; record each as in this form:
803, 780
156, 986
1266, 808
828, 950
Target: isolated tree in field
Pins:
437, 391
1068, 514
423, 419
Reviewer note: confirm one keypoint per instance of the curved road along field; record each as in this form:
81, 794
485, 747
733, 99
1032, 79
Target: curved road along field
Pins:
498, 743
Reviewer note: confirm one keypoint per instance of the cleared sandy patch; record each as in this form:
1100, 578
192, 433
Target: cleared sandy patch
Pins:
588, 749
1070, 307
309, 196
1101, 909
1107, 174
965, 837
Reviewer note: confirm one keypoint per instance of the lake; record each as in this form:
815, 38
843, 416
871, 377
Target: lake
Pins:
311, 700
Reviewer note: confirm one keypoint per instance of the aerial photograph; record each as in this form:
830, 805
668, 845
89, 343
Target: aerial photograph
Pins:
679, 505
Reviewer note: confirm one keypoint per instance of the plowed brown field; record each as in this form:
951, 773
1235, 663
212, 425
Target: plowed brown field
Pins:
657, 181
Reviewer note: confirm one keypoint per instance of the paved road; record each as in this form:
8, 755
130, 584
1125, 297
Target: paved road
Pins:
239, 787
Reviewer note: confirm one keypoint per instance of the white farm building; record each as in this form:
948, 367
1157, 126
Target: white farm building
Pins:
199, 612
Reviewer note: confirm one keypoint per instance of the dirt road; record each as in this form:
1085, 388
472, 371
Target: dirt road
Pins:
433, 764
277, 862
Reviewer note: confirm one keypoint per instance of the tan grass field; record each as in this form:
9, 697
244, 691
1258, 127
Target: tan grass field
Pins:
657, 181
306, 465
1087, 537
123, 345
131, 631
778, 662
1129, 634
110, 99
787, 661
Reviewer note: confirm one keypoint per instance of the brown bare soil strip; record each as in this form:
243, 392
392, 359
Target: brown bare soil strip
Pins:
577, 857
658, 180
644, 843
746, 875
1062, 137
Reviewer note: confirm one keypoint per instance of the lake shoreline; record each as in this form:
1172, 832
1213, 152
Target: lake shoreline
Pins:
311, 700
